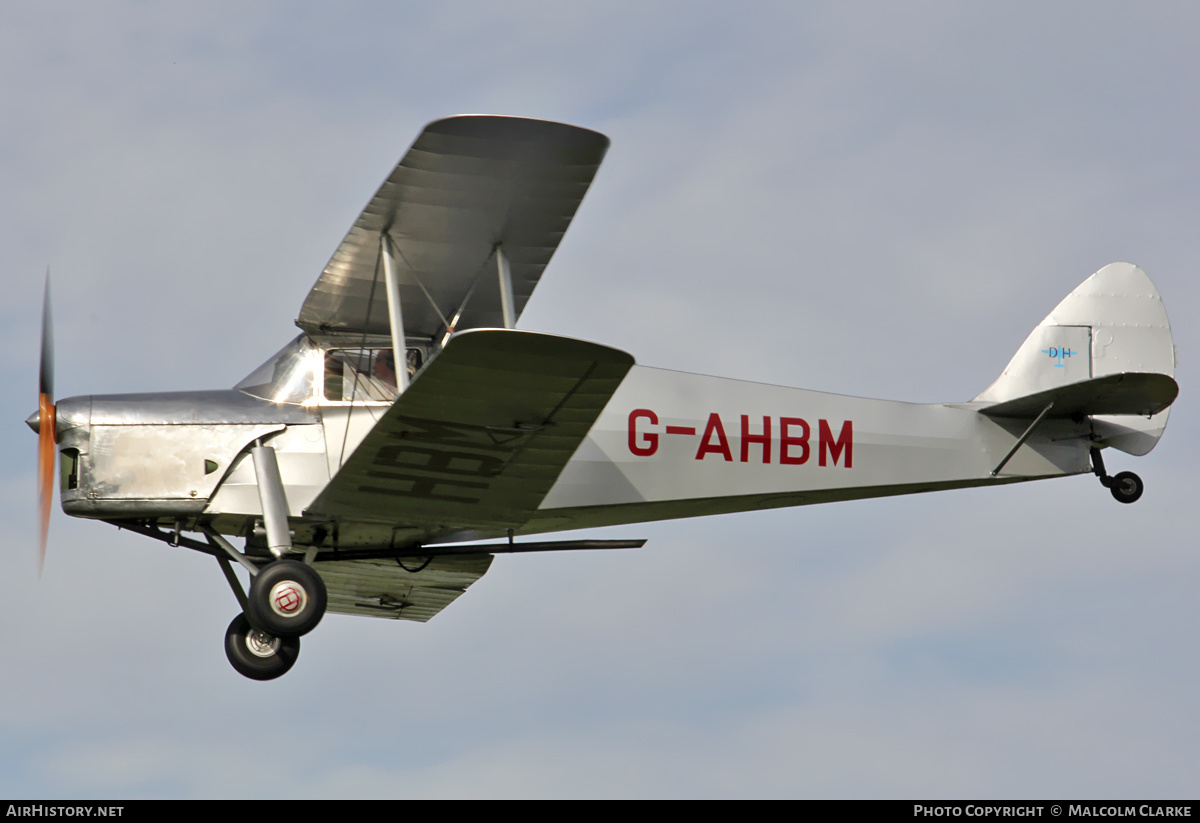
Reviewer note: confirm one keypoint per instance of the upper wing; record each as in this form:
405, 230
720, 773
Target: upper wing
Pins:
480, 436
467, 185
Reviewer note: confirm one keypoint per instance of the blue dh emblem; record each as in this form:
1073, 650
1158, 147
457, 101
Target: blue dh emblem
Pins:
1059, 354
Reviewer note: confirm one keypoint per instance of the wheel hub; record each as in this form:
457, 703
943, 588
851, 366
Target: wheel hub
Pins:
261, 644
288, 598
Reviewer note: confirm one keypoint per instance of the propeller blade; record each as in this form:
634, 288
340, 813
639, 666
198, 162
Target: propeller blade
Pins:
46, 368
46, 428
46, 455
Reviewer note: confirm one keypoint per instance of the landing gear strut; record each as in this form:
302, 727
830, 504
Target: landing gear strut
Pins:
1126, 487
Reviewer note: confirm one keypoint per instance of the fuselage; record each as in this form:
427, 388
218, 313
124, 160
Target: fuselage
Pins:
674, 444
668, 444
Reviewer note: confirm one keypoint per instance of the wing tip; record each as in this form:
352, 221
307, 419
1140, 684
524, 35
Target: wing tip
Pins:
511, 126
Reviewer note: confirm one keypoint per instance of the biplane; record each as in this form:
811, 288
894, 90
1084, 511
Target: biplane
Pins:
379, 461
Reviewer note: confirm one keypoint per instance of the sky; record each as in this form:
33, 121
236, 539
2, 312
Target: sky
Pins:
875, 199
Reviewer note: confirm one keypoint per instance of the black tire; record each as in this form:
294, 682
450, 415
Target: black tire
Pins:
286, 599
1126, 487
256, 655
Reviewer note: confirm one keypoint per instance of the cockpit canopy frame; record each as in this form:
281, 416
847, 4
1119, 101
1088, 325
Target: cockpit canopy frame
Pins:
332, 370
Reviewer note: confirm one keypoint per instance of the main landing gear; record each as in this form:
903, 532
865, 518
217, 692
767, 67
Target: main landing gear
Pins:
287, 599
1126, 487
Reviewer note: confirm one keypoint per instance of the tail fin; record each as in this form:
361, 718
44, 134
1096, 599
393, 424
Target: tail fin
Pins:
1113, 323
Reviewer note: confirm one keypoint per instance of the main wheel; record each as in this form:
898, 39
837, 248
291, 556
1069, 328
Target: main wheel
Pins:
286, 599
258, 655
1126, 487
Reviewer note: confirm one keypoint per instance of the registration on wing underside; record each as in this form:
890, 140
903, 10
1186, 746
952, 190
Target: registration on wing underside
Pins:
481, 435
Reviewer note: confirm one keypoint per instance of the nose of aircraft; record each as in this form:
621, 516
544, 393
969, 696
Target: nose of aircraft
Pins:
73, 412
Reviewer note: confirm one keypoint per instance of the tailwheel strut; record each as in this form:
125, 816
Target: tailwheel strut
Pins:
1126, 487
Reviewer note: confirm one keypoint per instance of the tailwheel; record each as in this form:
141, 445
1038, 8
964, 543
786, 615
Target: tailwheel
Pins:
256, 654
286, 599
1126, 487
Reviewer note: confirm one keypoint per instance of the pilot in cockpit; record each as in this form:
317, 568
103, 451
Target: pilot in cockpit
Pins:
385, 368
365, 374
360, 374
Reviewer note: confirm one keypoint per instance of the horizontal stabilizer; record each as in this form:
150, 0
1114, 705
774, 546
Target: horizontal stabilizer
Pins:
1132, 393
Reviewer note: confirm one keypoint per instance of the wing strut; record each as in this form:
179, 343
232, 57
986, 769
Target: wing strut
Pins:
453, 324
395, 316
507, 303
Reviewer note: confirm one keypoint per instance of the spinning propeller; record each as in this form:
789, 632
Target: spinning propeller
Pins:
46, 425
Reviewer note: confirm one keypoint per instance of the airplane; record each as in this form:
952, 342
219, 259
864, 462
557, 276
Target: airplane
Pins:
361, 465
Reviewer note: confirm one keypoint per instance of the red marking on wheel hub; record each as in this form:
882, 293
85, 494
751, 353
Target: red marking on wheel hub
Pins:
288, 599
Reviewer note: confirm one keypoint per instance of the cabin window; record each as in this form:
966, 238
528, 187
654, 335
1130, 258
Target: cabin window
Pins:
365, 375
288, 377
